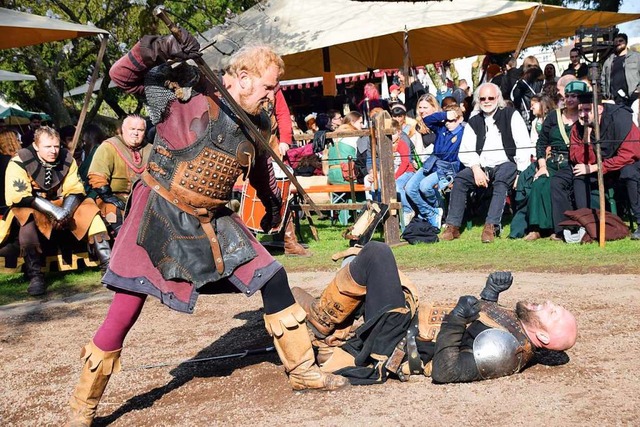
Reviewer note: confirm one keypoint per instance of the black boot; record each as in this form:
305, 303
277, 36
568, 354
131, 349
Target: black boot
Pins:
101, 250
33, 270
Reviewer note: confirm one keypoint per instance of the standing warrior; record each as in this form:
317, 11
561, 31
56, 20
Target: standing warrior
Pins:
116, 165
177, 229
44, 191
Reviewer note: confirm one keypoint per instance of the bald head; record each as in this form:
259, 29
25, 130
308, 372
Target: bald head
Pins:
548, 325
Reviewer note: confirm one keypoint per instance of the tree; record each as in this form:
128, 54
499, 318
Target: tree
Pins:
60, 66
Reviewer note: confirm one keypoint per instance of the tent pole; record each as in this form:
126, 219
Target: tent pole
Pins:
87, 96
527, 30
406, 58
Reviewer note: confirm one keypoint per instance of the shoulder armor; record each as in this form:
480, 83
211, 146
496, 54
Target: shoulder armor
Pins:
496, 353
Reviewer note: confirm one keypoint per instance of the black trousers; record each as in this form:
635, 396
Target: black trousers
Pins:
561, 196
501, 177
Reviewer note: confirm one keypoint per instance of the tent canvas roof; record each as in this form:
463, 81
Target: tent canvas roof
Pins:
23, 29
10, 76
363, 35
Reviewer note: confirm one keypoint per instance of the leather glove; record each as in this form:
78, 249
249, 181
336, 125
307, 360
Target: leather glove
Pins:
272, 217
106, 194
467, 308
155, 48
497, 282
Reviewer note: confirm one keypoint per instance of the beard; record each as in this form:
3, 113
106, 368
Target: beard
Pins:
526, 315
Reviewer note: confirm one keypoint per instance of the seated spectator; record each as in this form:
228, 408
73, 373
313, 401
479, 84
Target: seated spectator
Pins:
408, 125
447, 101
9, 146
44, 193
423, 189
402, 166
116, 165
533, 192
495, 146
91, 138
310, 121
427, 105
562, 83
343, 149
620, 154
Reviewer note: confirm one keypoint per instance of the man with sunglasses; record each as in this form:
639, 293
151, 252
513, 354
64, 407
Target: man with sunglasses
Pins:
621, 73
495, 147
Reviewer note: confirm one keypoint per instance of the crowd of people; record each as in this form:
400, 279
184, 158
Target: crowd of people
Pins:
516, 142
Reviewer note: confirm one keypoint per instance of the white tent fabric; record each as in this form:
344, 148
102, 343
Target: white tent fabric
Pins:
23, 29
364, 35
81, 90
10, 76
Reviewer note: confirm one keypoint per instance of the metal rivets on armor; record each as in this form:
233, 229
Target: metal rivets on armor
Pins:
183, 182
156, 187
200, 190
195, 178
218, 186
186, 174
206, 173
203, 182
218, 167
207, 193
191, 186
206, 153
202, 162
210, 164
215, 175
199, 170
211, 184
190, 166
220, 138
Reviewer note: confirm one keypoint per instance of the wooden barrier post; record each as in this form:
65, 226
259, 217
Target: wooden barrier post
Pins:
387, 180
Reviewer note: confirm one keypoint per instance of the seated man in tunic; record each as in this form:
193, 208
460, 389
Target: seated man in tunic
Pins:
468, 341
116, 165
45, 193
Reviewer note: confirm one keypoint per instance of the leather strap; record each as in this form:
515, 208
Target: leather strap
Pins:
204, 216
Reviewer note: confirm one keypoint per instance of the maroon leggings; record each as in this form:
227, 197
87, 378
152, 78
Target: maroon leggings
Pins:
123, 313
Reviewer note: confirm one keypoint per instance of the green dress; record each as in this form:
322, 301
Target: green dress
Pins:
539, 213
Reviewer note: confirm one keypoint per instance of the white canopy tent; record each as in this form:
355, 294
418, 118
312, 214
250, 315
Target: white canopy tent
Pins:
10, 76
357, 36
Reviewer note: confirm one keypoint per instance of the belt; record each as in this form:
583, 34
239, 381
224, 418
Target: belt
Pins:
204, 216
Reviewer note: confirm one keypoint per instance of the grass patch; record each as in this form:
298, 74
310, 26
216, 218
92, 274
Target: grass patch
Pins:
467, 254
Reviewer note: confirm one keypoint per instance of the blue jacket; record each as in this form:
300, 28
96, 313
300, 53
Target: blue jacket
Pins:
447, 144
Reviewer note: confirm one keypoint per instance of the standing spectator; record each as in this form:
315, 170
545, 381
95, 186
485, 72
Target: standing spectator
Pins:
576, 68
550, 74
529, 85
34, 123
495, 146
621, 73
375, 103
336, 119
508, 79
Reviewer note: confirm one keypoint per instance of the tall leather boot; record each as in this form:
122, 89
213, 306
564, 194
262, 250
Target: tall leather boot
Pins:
293, 344
101, 250
96, 371
340, 298
291, 245
33, 270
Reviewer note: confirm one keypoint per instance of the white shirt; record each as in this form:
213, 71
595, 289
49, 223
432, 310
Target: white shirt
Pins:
493, 153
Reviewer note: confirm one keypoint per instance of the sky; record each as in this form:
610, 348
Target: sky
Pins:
631, 29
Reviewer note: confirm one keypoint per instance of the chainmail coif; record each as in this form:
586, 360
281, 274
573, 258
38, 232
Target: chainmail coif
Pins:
164, 84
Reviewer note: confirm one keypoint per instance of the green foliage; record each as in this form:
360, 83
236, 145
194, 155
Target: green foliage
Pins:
68, 63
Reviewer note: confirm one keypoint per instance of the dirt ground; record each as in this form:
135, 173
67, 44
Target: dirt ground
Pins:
40, 344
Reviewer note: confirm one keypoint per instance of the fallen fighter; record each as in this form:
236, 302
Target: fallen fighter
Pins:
367, 325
